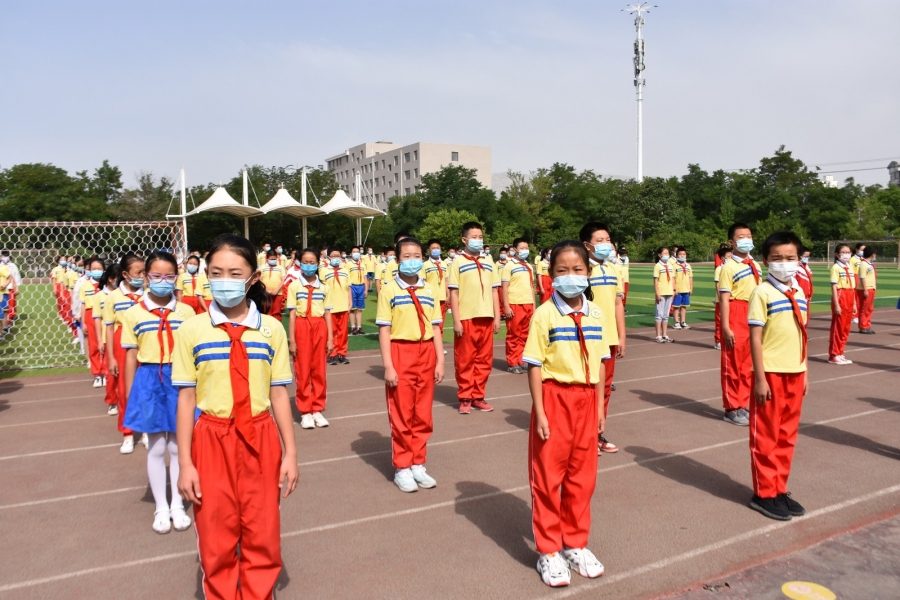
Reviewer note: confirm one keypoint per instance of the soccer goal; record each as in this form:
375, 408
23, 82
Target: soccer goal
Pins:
41, 334
886, 250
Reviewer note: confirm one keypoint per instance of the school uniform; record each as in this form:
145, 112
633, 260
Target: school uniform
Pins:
150, 328
663, 273
358, 288
273, 279
563, 468
389, 272
119, 301
11, 289
625, 270
58, 275
337, 286
5, 277
192, 288
411, 312
739, 277
717, 336
543, 271
236, 447
844, 277
520, 279
71, 278
434, 272
606, 284
473, 352
101, 298
782, 311
310, 301
867, 275
370, 262
684, 276
86, 296
804, 279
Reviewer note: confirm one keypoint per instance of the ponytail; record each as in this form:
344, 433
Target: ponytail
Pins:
259, 296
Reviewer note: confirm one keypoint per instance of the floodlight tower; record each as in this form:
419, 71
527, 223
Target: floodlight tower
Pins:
638, 11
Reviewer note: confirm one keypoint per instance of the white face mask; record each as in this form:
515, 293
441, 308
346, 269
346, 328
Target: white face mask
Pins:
783, 271
845, 257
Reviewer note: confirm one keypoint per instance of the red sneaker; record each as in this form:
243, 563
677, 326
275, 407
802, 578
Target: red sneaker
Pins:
482, 405
465, 407
607, 446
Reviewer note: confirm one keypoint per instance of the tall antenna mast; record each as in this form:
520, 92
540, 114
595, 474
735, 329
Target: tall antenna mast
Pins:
638, 11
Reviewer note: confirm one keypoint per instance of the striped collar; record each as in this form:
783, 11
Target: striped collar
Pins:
563, 307
305, 283
125, 291
739, 259
403, 285
780, 286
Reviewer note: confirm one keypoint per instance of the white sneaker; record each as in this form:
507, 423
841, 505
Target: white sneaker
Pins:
553, 569
855, 320
839, 360
113, 410
180, 519
583, 562
127, 446
98, 381
306, 421
145, 441
718, 346
161, 521
319, 420
423, 479
104, 381
676, 326
404, 480
846, 360
685, 326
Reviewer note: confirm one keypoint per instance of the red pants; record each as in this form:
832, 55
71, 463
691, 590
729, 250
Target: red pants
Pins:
737, 365
409, 404
567, 460
840, 324
610, 367
866, 308
121, 398
517, 333
277, 306
340, 333
11, 314
93, 343
473, 357
625, 294
443, 315
717, 336
548, 288
311, 337
239, 506
773, 433
112, 383
193, 302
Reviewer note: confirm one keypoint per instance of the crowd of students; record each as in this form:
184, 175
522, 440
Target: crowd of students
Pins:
195, 357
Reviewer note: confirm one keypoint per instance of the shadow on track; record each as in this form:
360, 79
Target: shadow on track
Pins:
682, 403
374, 448
502, 517
518, 418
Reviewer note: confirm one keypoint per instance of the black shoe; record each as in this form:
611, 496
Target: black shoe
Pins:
333, 360
869, 331
773, 508
612, 387
343, 360
794, 507
359, 331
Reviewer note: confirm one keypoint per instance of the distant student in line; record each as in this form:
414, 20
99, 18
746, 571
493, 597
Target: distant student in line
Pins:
565, 352
625, 267
517, 294
804, 276
336, 278
857, 255
684, 287
101, 298
193, 286
94, 272
722, 255
778, 340
865, 291
272, 276
664, 290
435, 275
843, 301
358, 290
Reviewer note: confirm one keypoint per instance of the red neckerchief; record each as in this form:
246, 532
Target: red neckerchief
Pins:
412, 294
847, 272
480, 269
437, 263
666, 267
164, 325
239, 364
798, 316
576, 316
749, 261
525, 264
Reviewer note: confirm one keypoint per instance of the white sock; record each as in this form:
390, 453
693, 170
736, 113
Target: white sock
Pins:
172, 445
156, 469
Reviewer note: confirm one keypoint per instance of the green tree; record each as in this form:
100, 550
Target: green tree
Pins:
43, 192
149, 201
445, 225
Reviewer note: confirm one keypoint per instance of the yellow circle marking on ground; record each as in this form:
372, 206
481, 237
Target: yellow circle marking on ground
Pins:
804, 590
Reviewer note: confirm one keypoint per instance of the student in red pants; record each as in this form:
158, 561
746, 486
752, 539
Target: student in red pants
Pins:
737, 280
517, 293
233, 365
778, 340
336, 278
101, 298
475, 305
565, 351
409, 334
804, 276
435, 275
94, 269
865, 291
722, 254
310, 339
843, 301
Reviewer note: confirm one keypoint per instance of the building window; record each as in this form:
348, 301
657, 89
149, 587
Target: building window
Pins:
415, 155
397, 160
406, 175
406, 157
397, 193
407, 191
382, 163
454, 156
382, 179
397, 177
416, 171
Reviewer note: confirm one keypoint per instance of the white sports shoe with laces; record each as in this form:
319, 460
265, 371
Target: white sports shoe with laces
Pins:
553, 569
583, 562
306, 421
319, 420
423, 479
404, 480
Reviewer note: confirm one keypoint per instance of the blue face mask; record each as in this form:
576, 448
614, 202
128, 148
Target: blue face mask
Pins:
355, 256
63, 263
192, 269
161, 289
96, 274
137, 282
272, 263
80, 270
308, 270
681, 259
474, 246
522, 254
391, 258
335, 262
436, 253
410, 267
570, 286
280, 251
602, 251
744, 245
502, 256
664, 258
228, 292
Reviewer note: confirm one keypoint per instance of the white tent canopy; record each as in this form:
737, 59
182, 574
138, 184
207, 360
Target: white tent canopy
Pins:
341, 204
283, 202
220, 201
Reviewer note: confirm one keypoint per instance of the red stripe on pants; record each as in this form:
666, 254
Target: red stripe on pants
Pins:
840, 324
773, 433
473, 357
339, 332
866, 308
610, 365
517, 333
409, 403
239, 506
563, 469
310, 366
548, 288
121, 398
736, 363
717, 336
93, 343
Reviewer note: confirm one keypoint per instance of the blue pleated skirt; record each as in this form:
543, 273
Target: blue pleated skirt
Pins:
152, 404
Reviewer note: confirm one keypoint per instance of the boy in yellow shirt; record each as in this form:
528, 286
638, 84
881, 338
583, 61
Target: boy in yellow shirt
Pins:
336, 277
865, 290
664, 288
684, 287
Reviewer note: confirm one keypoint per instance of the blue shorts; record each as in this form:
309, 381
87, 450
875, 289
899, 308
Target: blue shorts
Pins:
370, 275
4, 303
358, 294
681, 300
153, 401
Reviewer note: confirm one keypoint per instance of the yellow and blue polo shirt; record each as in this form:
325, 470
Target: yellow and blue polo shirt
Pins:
116, 305
623, 264
298, 297
389, 271
58, 274
434, 272
520, 278
71, 277
782, 342
737, 278
203, 354
475, 287
867, 274
843, 277
397, 310
337, 288
684, 273
357, 271
140, 328
272, 278
607, 285
553, 343
193, 285
716, 276
666, 277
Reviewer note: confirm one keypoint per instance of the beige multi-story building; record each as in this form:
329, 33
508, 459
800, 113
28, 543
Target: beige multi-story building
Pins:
387, 170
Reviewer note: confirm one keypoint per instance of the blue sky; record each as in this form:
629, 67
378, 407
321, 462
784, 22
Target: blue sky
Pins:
154, 85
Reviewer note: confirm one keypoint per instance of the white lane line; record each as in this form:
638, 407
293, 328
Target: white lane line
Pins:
73, 497
749, 535
54, 421
17, 403
63, 451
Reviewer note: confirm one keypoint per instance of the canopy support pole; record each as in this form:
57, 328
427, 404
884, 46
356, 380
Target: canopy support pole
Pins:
246, 199
303, 202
